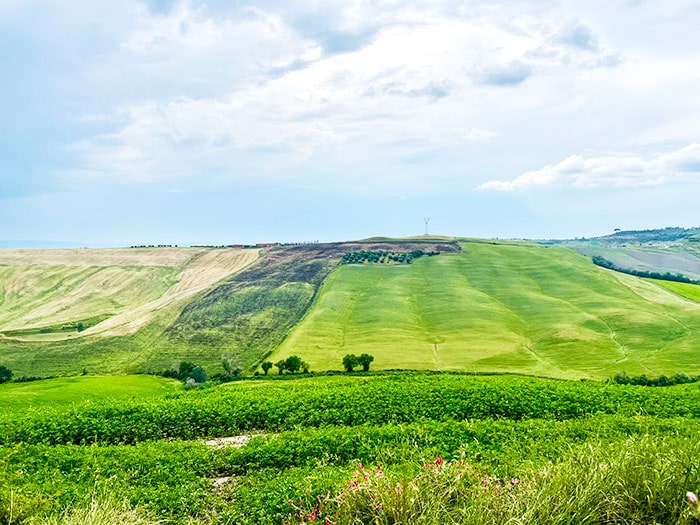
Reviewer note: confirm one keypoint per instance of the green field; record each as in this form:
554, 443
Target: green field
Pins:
51, 393
691, 291
499, 308
346, 450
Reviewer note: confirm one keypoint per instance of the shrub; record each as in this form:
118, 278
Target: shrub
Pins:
5, 374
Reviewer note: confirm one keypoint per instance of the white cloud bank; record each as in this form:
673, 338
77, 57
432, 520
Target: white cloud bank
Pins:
609, 171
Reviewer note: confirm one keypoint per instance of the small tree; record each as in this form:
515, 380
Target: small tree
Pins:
293, 363
365, 360
281, 366
266, 366
350, 362
305, 367
184, 370
5, 374
198, 374
80, 327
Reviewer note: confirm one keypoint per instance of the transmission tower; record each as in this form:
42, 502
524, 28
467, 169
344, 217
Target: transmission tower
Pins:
427, 220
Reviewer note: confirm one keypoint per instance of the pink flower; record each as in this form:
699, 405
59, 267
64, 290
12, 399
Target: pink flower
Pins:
692, 498
514, 481
379, 506
360, 466
438, 461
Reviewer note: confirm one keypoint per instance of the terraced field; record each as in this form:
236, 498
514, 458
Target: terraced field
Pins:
509, 308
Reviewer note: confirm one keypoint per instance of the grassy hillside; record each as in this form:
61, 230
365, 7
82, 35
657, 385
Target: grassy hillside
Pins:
248, 316
509, 307
131, 295
44, 294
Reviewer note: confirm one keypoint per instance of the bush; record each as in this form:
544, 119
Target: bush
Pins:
5, 374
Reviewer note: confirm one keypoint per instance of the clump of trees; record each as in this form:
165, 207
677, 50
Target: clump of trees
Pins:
384, 257
667, 276
5, 374
678, 379
190, 373
292, 364
350, 361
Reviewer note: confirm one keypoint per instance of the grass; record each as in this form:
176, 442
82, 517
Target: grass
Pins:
508, 308
37, 296
691, 291
65, 391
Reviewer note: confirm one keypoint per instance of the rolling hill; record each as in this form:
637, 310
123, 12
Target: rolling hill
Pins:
500, 308
481, 306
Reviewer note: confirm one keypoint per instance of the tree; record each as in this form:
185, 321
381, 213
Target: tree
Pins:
305, 367
184, 370
365, 360
281, 366
80, 327
350, 362
5, 374
266, 366
198, 374
293, 363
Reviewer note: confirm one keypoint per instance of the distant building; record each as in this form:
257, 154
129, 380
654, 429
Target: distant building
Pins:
266, 244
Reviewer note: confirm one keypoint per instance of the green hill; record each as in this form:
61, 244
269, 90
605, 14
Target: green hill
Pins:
500, 308
507, 307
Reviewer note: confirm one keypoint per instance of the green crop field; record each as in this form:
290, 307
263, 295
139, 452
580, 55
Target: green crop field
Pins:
392, 448
506, 308
19, 397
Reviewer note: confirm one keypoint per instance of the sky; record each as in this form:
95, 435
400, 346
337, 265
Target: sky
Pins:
219, 122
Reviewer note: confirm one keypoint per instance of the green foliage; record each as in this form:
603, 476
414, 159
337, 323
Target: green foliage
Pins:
266, 366
198, 374
577, 449
271, 406
350, 361
677, 379
5, 374
293, 364
364, 360
368, 256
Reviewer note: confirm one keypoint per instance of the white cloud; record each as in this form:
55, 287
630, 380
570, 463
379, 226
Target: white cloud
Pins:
609, 171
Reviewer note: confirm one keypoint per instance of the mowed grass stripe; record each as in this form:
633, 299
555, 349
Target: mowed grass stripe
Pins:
499, 308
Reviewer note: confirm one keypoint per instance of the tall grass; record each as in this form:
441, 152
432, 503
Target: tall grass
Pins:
642, 480
106, 511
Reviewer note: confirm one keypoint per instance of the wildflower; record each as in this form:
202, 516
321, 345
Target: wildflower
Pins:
379, 506
692, 498
438, 461
514, 481
360, 466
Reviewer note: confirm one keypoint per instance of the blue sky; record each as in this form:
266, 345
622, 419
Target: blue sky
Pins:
218, 122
